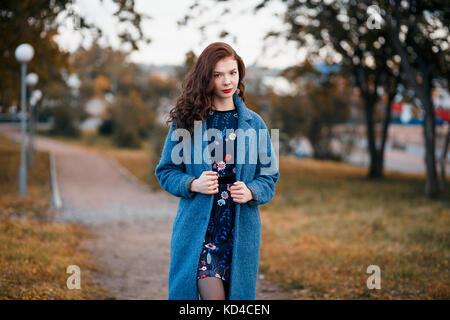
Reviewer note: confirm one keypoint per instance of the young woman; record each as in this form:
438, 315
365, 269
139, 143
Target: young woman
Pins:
228, 167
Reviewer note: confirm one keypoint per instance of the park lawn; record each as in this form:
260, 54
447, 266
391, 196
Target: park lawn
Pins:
327, 223
34, 250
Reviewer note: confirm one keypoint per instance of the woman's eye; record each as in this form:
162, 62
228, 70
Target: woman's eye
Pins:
216, 75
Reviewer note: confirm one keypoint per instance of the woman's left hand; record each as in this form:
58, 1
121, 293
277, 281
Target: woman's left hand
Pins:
240, 193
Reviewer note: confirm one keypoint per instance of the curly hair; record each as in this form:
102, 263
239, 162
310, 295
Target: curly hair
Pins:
195, 100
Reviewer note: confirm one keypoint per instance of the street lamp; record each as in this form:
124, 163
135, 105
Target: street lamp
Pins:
24, 53
31, 80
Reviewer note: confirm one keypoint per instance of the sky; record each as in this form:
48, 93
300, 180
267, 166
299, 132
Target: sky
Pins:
170, 43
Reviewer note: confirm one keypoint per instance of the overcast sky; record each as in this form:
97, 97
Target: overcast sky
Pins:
169, 43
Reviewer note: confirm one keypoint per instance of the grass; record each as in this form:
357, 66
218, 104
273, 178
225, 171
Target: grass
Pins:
34, 250
327, 223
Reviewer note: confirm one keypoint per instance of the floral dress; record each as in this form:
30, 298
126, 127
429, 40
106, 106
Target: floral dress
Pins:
215, 257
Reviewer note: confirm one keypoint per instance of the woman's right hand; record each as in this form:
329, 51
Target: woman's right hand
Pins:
207, 183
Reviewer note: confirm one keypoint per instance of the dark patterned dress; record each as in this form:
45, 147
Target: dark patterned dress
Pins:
215, 257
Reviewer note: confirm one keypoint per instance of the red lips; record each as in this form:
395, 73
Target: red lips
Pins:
227, 91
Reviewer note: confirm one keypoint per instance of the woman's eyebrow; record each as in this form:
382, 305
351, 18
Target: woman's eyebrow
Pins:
228, 71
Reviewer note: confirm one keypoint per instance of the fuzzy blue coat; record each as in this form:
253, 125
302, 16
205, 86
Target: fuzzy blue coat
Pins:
194, 210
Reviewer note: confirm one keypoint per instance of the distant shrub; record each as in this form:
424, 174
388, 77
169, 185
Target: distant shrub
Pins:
64, 122
106, 128
132, 120
126, 138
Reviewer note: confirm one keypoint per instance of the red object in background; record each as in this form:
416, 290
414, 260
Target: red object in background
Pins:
442, 114
396, 108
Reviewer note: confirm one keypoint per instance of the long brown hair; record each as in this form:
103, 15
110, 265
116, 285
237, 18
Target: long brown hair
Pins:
198, 86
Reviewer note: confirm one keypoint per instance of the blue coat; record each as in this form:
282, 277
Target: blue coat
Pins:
194, 210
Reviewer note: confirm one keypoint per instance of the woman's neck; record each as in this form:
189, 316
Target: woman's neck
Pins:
223, 104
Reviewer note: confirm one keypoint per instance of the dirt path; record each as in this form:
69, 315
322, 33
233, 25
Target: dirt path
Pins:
132, 223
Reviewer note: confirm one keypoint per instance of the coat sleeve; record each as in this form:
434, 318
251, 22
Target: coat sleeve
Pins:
173, 177
267, 174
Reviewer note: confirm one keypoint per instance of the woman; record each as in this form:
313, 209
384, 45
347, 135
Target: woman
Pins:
216, 233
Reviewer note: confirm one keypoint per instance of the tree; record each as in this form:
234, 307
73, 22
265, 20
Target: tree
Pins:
338, 32
321, 102
160, 87
189, 62
36, 22
415, 36
127, 90
132, 120
61, 106
420, 36
102, 70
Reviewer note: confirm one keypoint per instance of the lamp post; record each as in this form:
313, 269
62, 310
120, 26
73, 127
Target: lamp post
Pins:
74, 83
31, 80
35, 98
24, 53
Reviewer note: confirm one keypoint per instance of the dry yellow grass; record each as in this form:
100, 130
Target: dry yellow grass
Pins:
34, 251
327, 224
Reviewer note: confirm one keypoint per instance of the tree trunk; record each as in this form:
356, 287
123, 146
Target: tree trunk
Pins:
375, 167
423, 93
432, 189
386, 123
432, 183
444, 159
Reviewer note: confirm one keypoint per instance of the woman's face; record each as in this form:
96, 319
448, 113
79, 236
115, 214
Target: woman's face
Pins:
225, 77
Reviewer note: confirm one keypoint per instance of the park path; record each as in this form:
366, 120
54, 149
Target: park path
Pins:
132, 224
